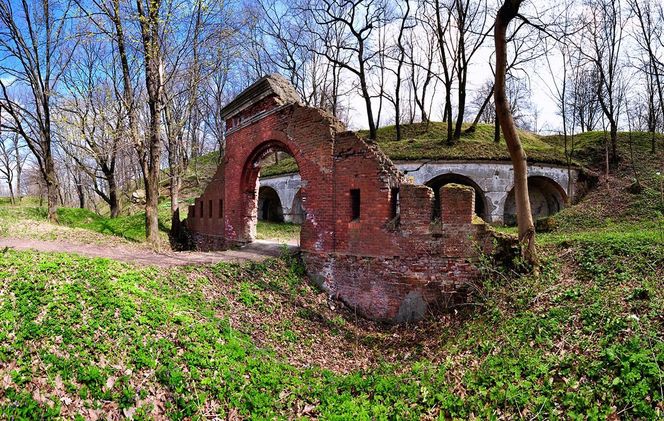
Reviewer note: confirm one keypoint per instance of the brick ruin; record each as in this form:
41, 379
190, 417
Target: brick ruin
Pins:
368, 238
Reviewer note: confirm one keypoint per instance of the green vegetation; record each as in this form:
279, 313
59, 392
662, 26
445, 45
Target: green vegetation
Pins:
284, 166
633, 196
128, 227
427, 142
131, 227
282, 231
83, 336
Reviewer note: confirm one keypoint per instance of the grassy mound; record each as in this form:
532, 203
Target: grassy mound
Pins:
427, 142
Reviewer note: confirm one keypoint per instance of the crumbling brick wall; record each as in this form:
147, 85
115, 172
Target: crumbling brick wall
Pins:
368, 238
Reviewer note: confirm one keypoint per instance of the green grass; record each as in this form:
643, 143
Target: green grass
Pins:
129, 227
427, 142
93, 334
284, 166
266, 230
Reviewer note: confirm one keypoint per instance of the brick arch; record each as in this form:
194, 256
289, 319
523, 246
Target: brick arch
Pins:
249, 187
312, 151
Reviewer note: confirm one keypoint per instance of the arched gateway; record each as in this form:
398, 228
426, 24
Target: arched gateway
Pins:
367, 237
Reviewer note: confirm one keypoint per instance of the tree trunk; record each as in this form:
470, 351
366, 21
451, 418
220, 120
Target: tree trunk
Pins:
150, 36
614, 143
461, 107
507, 12
19, 170
51, 180
113, 199
175, 194
397, 91
367, 102
12, 199
80, 192
448, 117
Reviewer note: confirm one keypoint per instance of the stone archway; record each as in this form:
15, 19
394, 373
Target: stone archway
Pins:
297, 210
547, 198
439, 181
269, 205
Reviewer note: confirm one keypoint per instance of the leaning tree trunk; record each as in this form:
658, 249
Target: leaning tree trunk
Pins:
507, 12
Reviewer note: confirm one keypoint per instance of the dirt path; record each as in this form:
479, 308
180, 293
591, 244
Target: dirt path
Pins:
256, 251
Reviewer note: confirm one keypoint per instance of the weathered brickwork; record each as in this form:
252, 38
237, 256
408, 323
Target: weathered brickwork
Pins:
368, 238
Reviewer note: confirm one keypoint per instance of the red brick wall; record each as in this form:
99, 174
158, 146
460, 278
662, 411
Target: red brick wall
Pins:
385, 266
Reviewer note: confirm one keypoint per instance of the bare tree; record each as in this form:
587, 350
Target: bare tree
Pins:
558, 85
350, 24
398, 55
149, 19
470, 19
11, 162
582, 95
605, 36
33, 45
440, 24
109, 19
421, 56
92, 120
649, 30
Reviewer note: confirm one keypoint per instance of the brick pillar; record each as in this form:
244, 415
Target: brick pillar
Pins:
416, 202
457, 204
